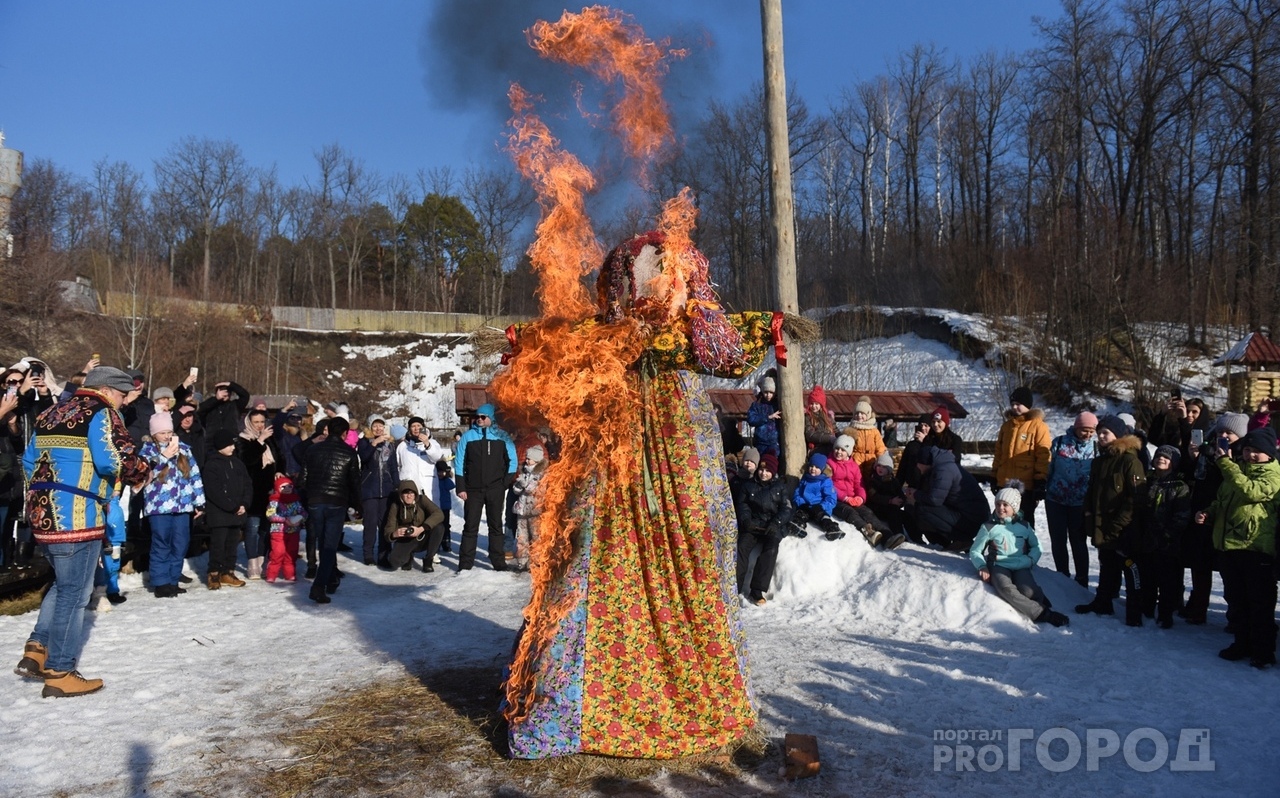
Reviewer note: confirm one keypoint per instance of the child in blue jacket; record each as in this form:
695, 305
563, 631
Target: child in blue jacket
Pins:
1004, 553
814, 499
763, 415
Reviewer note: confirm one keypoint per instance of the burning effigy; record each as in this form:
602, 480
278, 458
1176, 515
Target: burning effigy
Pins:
631, 644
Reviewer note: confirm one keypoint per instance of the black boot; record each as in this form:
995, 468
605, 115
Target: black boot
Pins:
1098, 606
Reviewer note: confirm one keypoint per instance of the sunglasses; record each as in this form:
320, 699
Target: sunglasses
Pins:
13, 382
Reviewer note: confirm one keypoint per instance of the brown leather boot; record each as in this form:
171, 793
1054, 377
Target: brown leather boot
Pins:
215, 580
31, 666
231, 580
64, 684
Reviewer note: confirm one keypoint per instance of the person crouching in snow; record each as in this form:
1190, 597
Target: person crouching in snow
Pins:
851, 497
763, 512
414, 523
1004, 552
286, 515
525, 506
815, 500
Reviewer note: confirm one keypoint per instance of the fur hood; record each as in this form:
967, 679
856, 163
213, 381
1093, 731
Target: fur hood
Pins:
1129, 443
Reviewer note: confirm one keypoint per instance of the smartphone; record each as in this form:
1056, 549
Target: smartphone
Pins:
96, 356
37, 370
11, 391
195, 372
1197, 437
1224, 443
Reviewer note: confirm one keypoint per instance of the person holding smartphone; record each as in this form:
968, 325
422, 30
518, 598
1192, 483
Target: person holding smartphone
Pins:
1197, 542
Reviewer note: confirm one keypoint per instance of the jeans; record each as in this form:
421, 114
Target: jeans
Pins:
255, 543
327, 520
170, 536
60, 625
374, 511
1066, 526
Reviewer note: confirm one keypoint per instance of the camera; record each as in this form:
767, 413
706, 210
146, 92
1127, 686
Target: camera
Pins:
37, 369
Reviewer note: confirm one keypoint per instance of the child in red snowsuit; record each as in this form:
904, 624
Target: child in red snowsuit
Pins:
286, 514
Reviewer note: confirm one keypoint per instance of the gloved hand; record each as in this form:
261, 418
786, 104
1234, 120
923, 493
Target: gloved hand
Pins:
1037, 490
854, 501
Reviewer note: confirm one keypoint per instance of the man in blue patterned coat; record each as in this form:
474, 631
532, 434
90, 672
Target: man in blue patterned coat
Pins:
79, 451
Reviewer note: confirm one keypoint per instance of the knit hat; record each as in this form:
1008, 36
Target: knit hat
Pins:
162, 393
864, 406
220, 439
819, 460
1130, 422
1011, 494
368, 422
161, 422
885, 460
416, 420
1262, 439
751, 454
1114, 425
942, 414
767, 384
398, 431
817, 396
108, 377
846, 443
1170, 452
535, 453
1233, 422
487, 410
1022, 396
770, 462
1086, 420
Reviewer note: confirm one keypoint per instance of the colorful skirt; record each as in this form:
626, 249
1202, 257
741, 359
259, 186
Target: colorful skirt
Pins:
650, 662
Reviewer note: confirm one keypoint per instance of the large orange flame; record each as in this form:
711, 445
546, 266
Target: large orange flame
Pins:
571, 371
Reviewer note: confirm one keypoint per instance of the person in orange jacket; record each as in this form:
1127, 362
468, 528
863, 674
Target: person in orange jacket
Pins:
1022, 451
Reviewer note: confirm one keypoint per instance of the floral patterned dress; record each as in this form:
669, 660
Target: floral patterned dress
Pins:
650, 661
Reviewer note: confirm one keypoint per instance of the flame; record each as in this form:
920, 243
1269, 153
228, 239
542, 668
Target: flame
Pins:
608, 45
571, 370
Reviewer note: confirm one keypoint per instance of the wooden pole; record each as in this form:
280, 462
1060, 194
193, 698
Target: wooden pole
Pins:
790, 387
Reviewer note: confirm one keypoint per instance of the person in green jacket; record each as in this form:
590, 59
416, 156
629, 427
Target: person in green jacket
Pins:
1116, 479
1244, 533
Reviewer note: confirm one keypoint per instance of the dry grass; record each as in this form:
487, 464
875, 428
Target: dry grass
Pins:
23, 602
440, 734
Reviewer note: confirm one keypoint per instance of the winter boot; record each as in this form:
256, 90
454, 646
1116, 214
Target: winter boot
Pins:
64, 684
31, 666
1098, 606
828, 524
116, 598
98, 600
1234, 653
833, 534
255, 568
215, 580
230, 579
872, 535
894, 541
756, 598
797, 529
1053, 618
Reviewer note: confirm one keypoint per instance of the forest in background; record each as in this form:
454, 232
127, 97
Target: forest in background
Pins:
1122, 171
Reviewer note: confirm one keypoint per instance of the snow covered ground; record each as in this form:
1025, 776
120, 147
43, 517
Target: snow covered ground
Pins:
888, 658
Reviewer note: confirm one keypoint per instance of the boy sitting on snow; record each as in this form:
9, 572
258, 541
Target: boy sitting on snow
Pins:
814, 500
1004, 552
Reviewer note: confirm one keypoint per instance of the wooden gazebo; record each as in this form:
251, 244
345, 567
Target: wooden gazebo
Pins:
1260, 377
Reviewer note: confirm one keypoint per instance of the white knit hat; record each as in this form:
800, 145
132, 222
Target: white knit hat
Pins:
1011, 495
846, 443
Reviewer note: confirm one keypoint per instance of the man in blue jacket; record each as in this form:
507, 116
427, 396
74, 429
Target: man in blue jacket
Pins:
79, 450
485, 467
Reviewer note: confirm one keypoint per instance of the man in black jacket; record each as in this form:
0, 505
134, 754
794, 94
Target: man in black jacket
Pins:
949, 506
331, 475
485, 466
223, 410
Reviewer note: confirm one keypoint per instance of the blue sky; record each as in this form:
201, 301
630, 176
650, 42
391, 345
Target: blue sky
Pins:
86, 80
